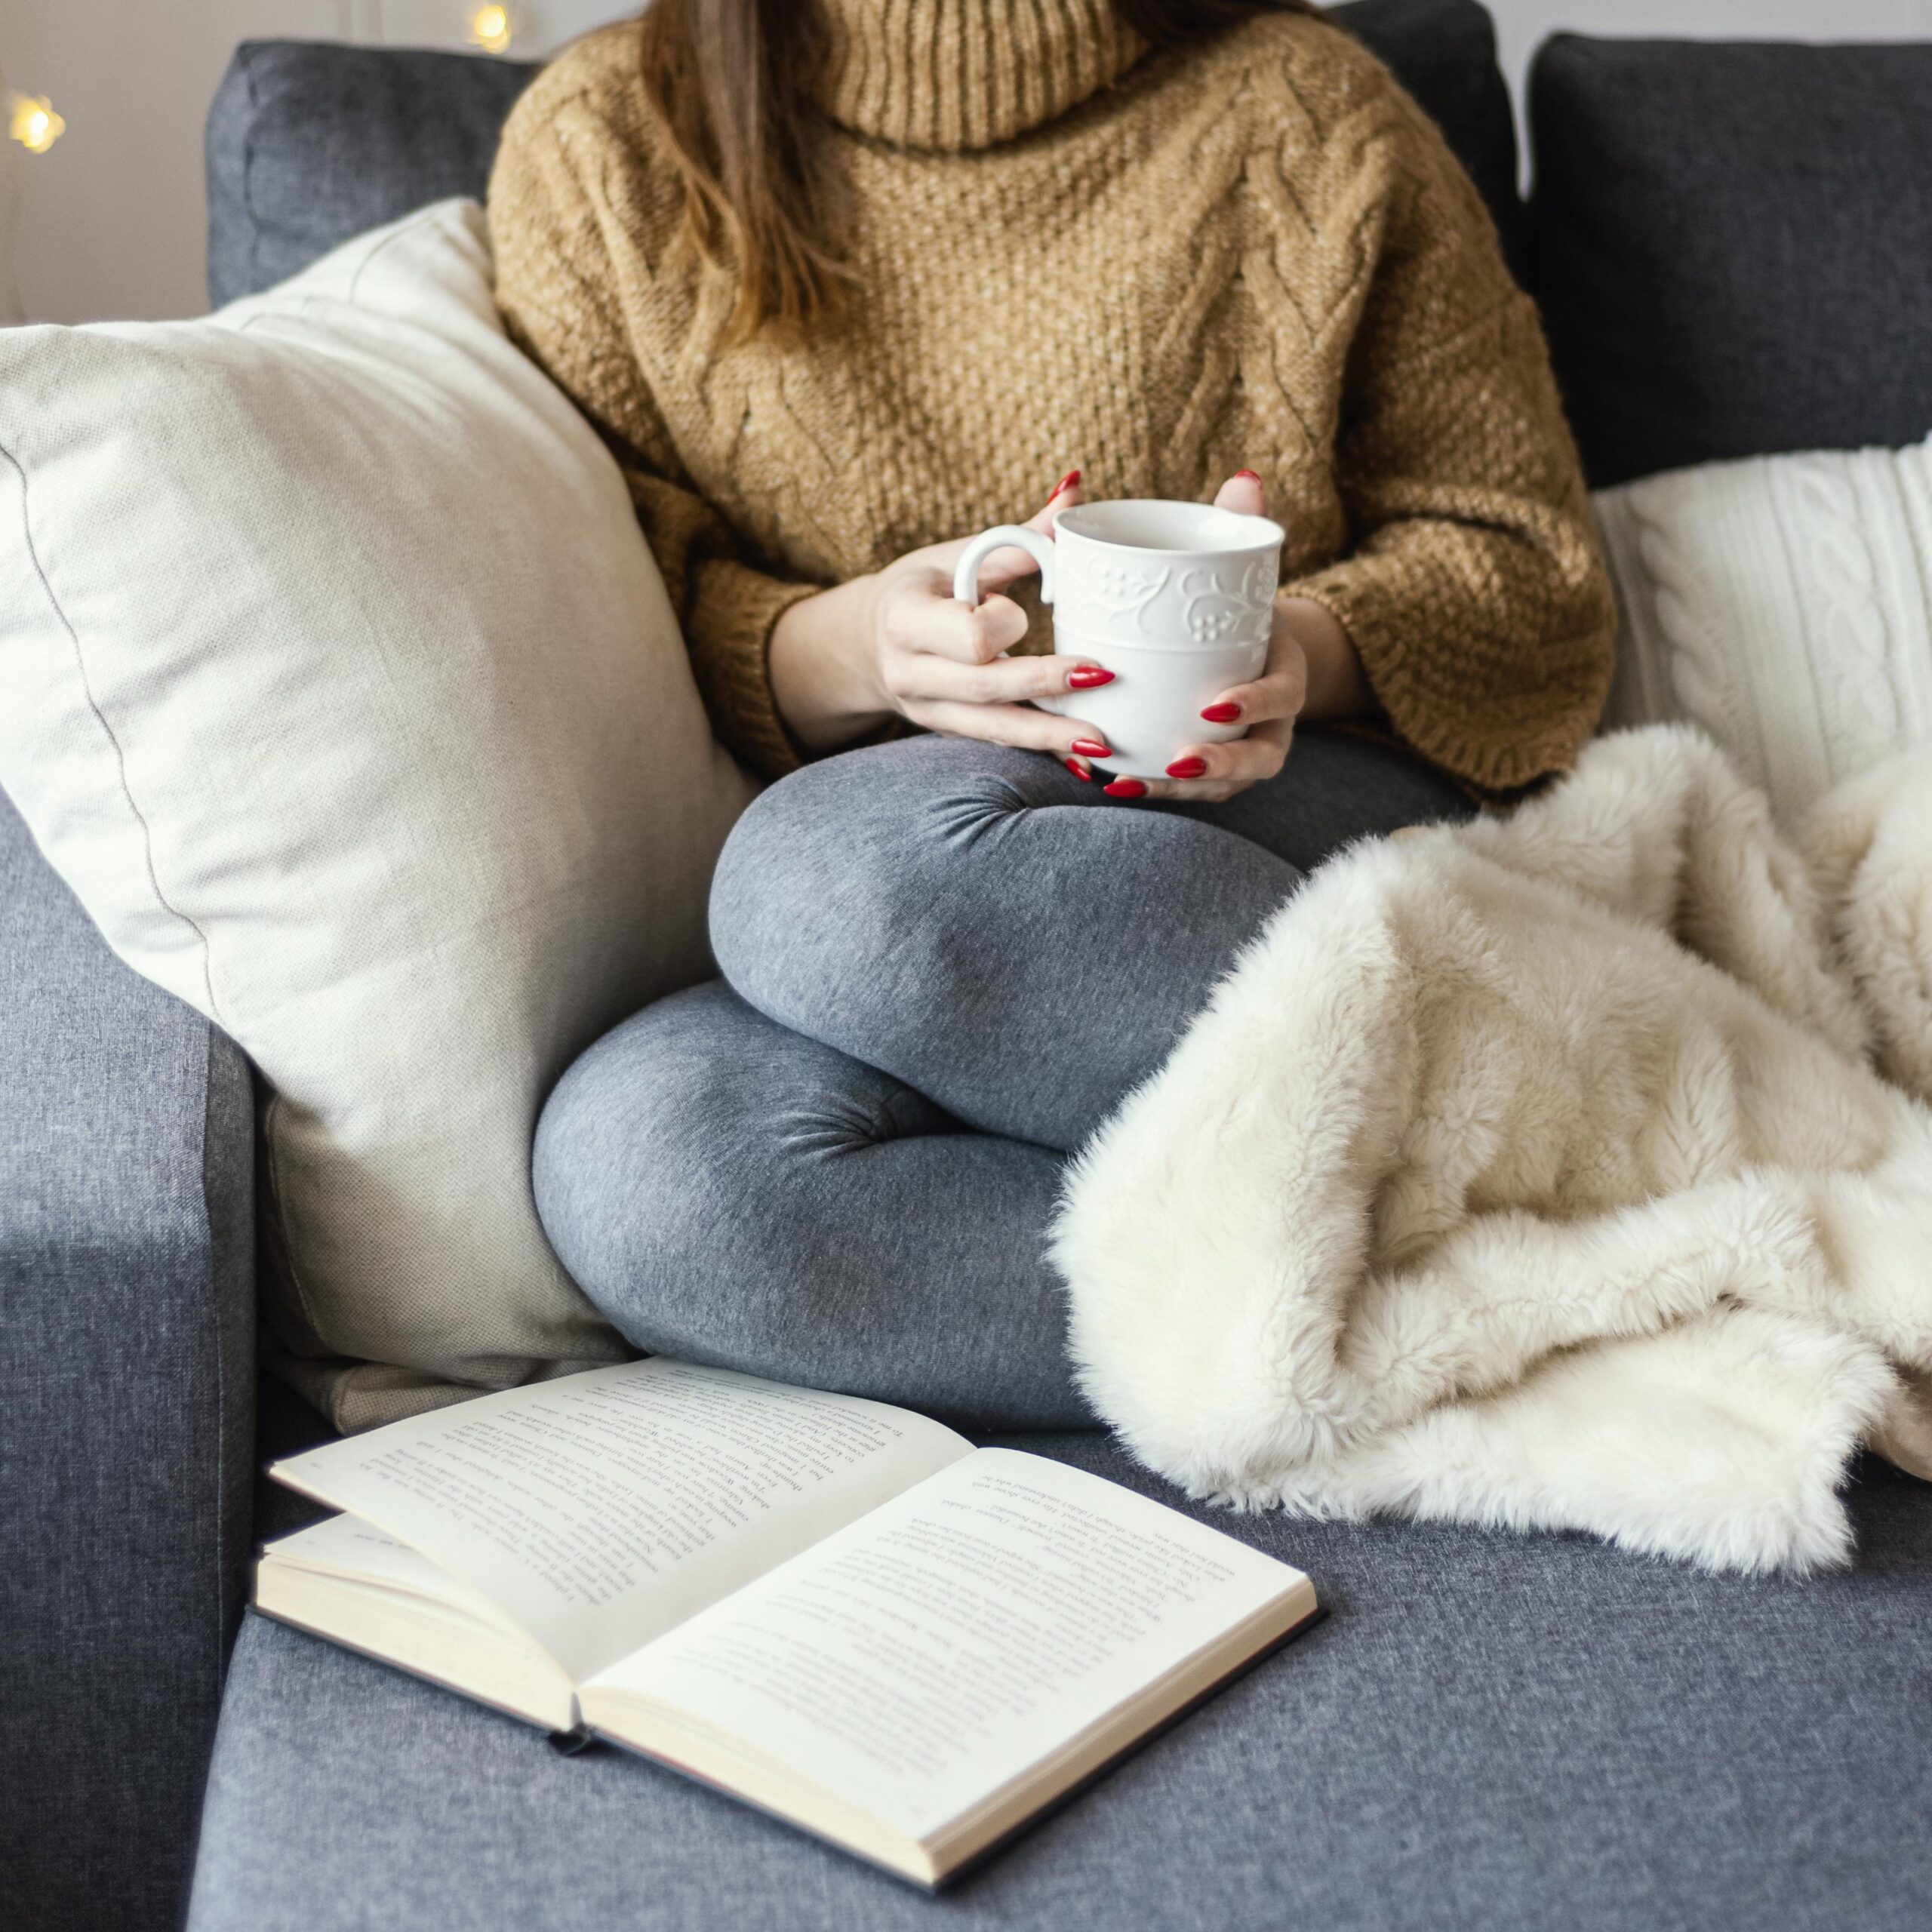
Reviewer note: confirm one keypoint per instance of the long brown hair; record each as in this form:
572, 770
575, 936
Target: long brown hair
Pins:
731, 80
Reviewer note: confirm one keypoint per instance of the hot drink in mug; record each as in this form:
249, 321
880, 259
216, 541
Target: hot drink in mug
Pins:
1175, 599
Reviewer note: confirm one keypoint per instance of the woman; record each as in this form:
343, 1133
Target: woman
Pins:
843, 281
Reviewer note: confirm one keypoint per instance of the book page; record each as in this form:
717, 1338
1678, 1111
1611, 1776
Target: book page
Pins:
600, 1509
346, 1546
924, 1658
348, 1580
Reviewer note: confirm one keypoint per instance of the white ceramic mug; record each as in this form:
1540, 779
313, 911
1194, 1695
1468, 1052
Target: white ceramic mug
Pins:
1175, 599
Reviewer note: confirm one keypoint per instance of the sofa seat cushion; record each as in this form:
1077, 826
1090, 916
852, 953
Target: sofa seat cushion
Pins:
1512, 1732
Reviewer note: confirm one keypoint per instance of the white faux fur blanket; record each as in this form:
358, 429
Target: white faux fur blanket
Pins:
1568, 1170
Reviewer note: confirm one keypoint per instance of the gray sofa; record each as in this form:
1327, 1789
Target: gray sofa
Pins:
1733, 247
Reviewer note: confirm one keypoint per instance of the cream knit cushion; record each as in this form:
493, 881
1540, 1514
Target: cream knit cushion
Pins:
1785, 605
341, 686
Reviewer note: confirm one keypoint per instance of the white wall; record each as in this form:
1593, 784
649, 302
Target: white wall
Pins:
110, 221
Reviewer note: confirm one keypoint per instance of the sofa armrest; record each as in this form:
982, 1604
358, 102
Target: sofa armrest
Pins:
127, 1398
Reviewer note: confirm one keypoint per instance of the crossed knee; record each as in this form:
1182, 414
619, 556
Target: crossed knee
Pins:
677, 1173
842, 880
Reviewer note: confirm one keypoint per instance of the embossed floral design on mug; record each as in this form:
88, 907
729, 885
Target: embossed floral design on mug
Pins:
1175, 599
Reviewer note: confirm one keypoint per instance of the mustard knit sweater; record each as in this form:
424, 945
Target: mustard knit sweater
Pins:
1163, 267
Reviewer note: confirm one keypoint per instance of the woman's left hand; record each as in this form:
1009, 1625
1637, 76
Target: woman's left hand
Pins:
1312, 671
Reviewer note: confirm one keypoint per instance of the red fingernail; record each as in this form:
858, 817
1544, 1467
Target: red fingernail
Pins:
1248, 473
1092, 748
1089, 679
1065, 483
1187, 767
1078, 770
1125, 788
1222, 713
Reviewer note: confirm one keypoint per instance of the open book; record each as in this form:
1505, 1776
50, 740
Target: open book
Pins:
839, 1611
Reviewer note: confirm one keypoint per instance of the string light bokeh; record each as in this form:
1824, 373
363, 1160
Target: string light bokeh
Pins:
31, 121
492, 28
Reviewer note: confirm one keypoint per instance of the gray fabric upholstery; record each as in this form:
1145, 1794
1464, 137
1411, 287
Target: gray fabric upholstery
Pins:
126, 1394
1735, 246
1523, 1734
309, 142
284, 1426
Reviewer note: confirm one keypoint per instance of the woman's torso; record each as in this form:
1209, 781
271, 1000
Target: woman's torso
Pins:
1162, 285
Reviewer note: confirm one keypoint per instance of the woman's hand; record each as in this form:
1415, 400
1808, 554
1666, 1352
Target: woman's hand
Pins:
1312, 671
899, 641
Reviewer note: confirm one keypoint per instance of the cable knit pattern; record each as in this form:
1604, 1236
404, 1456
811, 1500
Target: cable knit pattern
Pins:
1784, 603
1256, 251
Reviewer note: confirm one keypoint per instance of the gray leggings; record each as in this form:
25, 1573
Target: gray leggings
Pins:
944, 965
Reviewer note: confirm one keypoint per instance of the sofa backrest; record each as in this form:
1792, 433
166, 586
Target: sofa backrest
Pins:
1732, 242
309, 142
1734, 246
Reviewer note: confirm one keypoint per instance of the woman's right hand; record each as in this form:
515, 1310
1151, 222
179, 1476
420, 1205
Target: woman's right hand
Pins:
930, 658
942, 664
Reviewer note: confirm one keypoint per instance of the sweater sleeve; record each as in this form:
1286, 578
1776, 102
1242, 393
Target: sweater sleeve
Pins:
1474, 593
562, 298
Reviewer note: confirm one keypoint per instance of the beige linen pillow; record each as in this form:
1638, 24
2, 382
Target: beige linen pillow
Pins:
1784, 603
337, 681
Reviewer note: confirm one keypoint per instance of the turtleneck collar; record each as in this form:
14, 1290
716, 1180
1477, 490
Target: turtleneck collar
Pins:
960, 74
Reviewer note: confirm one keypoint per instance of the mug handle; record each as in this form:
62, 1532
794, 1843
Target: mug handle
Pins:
966, 578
